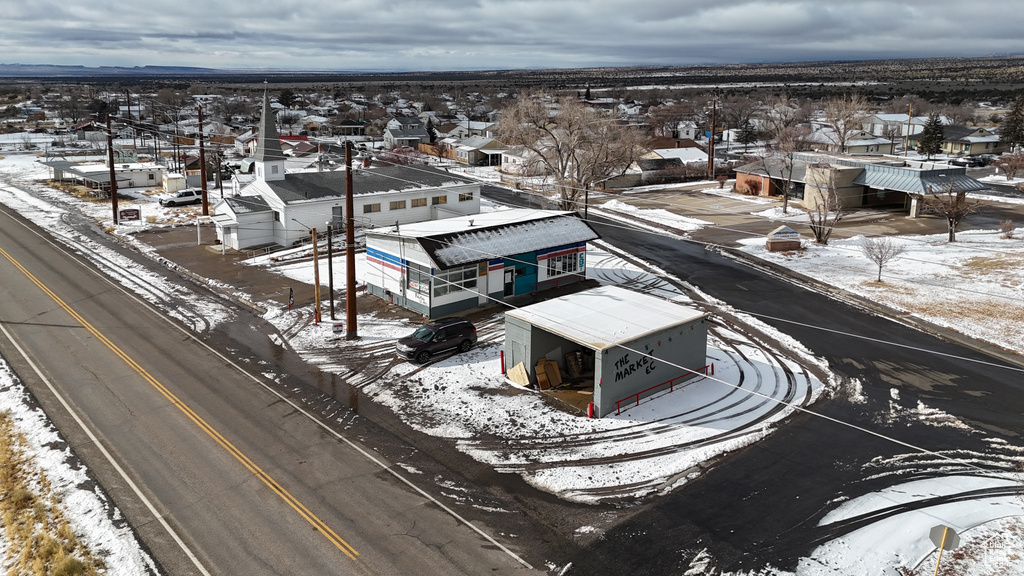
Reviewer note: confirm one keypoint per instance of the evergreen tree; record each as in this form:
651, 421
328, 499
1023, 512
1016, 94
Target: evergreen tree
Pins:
1011, 131
286, 98
430, 130
929, 142
747, 135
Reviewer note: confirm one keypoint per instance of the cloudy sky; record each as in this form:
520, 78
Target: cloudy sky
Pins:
497, 34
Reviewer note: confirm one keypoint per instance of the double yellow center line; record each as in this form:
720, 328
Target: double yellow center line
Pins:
318, 524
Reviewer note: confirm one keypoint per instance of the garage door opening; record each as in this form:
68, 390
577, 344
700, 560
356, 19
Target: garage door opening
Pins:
605, 346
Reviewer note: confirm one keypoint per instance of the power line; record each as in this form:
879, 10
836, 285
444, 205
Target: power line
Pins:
793, 406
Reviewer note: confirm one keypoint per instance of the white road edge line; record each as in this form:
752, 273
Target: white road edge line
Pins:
110, 458
298, 408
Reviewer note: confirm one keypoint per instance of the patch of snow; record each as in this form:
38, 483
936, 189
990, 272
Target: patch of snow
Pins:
93, 517
659, 216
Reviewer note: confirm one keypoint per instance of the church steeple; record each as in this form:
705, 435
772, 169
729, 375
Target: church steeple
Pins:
269, 157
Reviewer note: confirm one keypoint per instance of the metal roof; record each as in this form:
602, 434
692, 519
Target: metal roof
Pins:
914, 181
606, 316
268, 146
247, 204
878, 175
298, 186
453, 242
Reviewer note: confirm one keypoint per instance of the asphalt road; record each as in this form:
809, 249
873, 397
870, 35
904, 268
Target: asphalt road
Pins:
761, 505
218, 471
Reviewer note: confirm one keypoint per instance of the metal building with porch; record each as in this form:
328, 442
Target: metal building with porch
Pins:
624, 341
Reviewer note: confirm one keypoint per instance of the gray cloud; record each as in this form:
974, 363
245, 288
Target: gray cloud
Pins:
486, 34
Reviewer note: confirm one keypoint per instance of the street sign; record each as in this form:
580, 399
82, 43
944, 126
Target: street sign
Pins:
952, 539
339, 328
129, 214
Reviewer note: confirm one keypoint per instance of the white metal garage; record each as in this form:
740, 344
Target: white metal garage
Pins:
625, 337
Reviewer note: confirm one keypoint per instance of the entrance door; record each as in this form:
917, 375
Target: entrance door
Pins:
510, 281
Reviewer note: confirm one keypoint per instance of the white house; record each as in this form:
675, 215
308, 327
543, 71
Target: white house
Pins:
97, 175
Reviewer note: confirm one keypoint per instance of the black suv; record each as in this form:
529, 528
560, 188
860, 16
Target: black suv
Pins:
437, 336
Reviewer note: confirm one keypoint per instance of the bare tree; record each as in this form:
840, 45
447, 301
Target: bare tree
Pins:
781, 112
666, 118
845, 113
881, 251
918, 105
442, 149
71, 106
578, 145
171, 104
958, 115
737, 111
826, 207
951, 205
1010, 164
784, 146
232, 106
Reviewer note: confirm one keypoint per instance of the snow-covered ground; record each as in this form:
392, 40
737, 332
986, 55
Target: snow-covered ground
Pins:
464, 398
96, 521
974, 285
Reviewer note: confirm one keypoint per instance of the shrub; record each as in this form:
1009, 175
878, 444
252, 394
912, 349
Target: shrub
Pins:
1006, 228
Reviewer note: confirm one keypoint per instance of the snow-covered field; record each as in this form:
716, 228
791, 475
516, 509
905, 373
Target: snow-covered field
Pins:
974, 285
465, 399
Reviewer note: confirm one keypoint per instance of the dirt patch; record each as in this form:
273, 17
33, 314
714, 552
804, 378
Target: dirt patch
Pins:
883, 286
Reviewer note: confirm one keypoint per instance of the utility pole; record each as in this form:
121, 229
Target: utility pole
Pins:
711, 142
202, 166
316, 279
110, 162
330, 268
128, 99
906, 138
350, 250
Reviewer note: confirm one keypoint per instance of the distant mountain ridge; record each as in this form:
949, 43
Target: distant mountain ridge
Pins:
55, 70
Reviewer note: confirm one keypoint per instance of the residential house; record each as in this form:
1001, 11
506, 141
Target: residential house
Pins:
349, 127
451, 265
687, 152
687, 129
290, 141
660, 165
857, 142
518, 161
410, 137
404, 123
89, 132
894, 125
245, 143
451, 130
968, 141
479, 151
